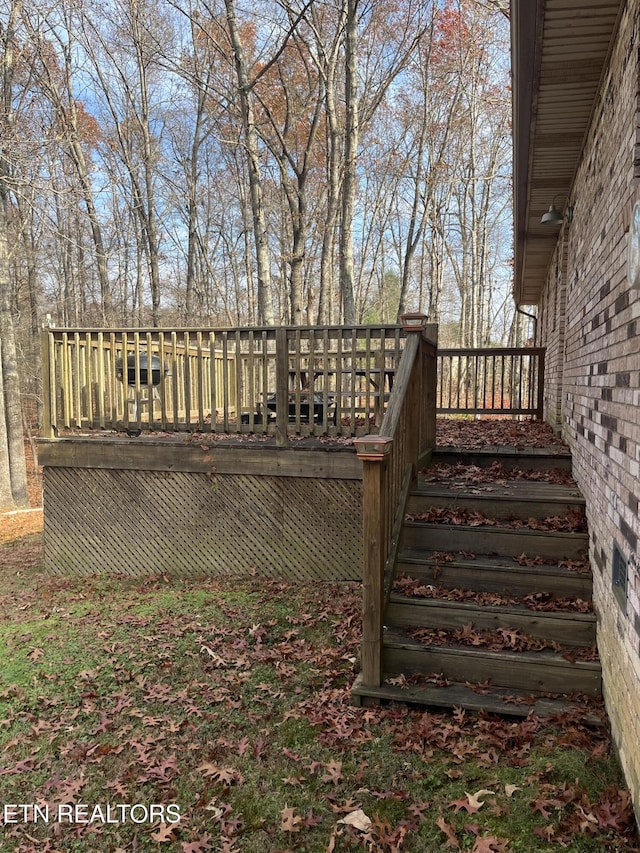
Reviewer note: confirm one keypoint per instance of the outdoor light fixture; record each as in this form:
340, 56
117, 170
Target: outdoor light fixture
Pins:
413, 321
553, 216
633, 251
373, 448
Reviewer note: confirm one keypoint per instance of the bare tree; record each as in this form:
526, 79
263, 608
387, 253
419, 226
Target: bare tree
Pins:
480, 156
290, 97
55, 79
13, 472
263, 263
124, 52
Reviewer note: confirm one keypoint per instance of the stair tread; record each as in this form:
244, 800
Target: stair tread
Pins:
429, 557
531, 490
500, 528
511, 456
393, 638
553, 451
506, 609
507, 701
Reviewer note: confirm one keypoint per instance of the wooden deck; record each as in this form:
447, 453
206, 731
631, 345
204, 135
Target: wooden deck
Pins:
330, 495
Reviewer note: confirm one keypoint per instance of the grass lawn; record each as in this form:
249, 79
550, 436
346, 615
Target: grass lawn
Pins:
216, 716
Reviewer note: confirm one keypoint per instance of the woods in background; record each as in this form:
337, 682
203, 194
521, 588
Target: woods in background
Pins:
219, 162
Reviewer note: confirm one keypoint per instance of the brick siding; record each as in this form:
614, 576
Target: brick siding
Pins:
593, 362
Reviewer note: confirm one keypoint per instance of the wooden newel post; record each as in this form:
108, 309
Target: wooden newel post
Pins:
374, 451
430, 391
46, 366
416, 323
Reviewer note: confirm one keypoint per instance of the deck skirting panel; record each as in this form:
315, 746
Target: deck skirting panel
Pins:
141, 522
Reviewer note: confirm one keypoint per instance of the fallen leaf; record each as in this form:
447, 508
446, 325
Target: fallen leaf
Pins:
201, 845
490, 844
36, 654
290, 821
449, 831
358, 819
225, 775
334, 772
473, 803
164, 833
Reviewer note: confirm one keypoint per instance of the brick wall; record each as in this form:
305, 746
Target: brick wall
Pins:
551, 332
594, 358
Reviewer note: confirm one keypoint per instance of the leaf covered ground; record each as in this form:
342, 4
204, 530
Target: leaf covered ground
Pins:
211, 716
221, 712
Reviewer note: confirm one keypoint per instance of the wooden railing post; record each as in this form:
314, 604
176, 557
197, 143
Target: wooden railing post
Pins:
373, 450
430, 387
423, 398
48, 427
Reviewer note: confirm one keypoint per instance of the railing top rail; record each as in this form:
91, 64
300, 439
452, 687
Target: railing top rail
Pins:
400, 386
220, 330
491, 351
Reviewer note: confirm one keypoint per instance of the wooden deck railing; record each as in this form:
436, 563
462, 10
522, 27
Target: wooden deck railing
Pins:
390, 461
494, 380
306, 380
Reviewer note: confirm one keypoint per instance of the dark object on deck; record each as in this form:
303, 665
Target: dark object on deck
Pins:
156, 369
305, 411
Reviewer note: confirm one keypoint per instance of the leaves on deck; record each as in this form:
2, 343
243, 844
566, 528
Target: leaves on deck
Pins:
491, 432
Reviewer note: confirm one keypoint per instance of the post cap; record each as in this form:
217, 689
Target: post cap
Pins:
414, 321
373, 448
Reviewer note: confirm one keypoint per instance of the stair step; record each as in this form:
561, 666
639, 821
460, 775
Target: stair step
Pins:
494, 574
505, 541
518, 499
542, 671
565, 627
525, 459
497, 700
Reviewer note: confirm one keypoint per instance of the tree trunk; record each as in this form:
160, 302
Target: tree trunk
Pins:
11, 436
265, 305
11, 413
327, 258
347, 276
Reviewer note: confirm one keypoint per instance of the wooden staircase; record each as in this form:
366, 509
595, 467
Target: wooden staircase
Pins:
490, 607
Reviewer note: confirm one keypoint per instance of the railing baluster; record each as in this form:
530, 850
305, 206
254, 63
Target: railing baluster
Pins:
162, 387
175, 380
264, 390
294, 378
282, 387
199, 383
47, 362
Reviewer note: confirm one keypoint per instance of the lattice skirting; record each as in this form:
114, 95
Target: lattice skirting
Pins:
142, 523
